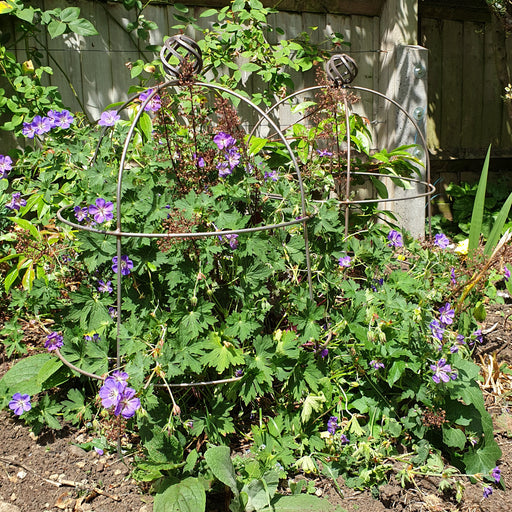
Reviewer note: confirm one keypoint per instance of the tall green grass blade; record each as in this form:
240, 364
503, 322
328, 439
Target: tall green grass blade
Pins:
478, 208
497, 228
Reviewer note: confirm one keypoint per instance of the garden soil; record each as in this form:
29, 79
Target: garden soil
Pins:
50, 472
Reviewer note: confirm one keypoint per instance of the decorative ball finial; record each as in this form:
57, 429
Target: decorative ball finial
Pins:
341, 69
184, 49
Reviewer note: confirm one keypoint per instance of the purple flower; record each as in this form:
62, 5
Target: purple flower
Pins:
324, 353
460, 339
239, 373
442, 241
332, 424
92, 337
487, 491
437, 330
102, 210
109, 118
111, 392
271, 175
345, 261
376, 364
41, 125
233, 157
153, 104
80, 213
446, 314
496, 474
16, 202
377, 282
105, 287
324, 152
99, 451
119, 376
453, 277
5, 165
63, 119
224, 140
126, 265
28, 130
344, 439
112, 312
506, 274
53, 341
454, 349
442, 371
478, 336
20, 404
395, 239
224, 170
128, 403
233, 241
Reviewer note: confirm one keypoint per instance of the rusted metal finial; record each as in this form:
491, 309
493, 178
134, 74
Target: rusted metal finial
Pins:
181, 48
341, 69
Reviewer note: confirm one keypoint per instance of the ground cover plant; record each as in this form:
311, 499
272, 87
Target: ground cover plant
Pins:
228, 347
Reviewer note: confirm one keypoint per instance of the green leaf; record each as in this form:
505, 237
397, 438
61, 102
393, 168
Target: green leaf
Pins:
69, 14
145, 125
477, 216
56, 28
218, 459
381, 188
25, 224
454, 438
250, 67
83, 28
260, 491
181, 8
395, 372
10, 278
483, 459
26, 14
28, 277
312, 403
299, 503
23, 377
186, 496
208, 12
497, 228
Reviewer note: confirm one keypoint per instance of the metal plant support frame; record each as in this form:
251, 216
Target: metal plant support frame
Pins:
341, 69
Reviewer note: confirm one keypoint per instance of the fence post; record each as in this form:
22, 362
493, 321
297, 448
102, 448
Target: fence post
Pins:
403, 77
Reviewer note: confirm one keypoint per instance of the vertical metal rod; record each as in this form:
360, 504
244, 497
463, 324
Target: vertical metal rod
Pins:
349, 156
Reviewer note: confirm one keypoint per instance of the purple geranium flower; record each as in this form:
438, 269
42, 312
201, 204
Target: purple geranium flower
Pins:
271, 175
395, 239
112, 311
105, 287
126, 265
442, 371
453, 277
53, 341
29, 130
446, 314
224, 140
102, 210
16, 202
233, 240
92, 337
324, 353
20, 404
487, 491
239, 373
344, 439
41, 125
324, 152
81, 213
111, 392
442, 241
478, 335
496, 474
332, 424
153, 104
345, 261
119, 376
437, 330
128, 403
63, 119
506, 274
224, 170
376, 364
109, 118
5, 165
233, 157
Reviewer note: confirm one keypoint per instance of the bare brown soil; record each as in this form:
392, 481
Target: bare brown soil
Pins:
50, 473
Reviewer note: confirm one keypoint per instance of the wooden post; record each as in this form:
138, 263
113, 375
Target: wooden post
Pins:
403, 77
